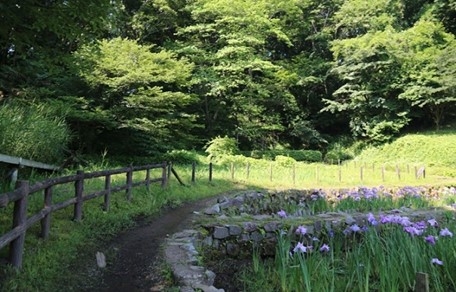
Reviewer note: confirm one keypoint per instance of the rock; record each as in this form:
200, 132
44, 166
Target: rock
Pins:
250, 227
232, 249
234, 230
101, 259
272, 226
214, 210
221, 232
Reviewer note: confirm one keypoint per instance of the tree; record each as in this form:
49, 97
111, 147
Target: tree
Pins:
237, 48
429, 57
141, 93
371, 76
36, 38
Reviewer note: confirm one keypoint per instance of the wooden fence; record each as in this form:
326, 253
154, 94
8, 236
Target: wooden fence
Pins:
19, 162
19, 197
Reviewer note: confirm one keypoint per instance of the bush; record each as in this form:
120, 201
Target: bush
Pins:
285, 161
298, 155
32, 132
182, 157
221, 146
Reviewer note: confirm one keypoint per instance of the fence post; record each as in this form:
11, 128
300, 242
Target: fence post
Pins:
46, 221
398, 171
107, 196
294, 174
129, 182
340, 172
148, 179
193, 171
78, 191
210, 171
248, 170
164, 176
232, 170
361, 176
421, 282
19, 219
270, 171
168, 175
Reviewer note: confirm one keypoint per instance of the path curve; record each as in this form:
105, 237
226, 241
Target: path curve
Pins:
137, 265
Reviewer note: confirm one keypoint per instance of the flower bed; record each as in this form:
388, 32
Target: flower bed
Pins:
360, 239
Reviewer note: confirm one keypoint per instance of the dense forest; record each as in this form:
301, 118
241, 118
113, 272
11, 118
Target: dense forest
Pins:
142, 77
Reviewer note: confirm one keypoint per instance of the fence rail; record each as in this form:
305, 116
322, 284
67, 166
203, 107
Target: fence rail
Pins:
19, 197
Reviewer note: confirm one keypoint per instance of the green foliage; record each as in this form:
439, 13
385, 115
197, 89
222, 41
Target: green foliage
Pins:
284, 161
183, 157
298, 155
337, 155
430, 57
33, 132
141, 91
221, 146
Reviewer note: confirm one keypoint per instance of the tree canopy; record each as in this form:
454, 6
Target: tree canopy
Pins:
141, 77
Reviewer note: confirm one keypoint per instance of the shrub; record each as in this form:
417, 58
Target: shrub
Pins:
221, 146
284, 160
182, 157
32, 132
298, 155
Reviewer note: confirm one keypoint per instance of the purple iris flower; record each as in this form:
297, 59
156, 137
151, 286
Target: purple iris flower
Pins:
301, 230
355, 228
324, 248
420, 225
282, 214
300, 248
446, 232
413, 231
436, 261
430, 239
432, 222
371, 219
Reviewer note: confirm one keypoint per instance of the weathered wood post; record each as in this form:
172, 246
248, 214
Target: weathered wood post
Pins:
270, 171
129, 176
46, 221
232, 170
148, 179
78, 191
340, 170
107, 196
294, 173
210, 171
248, 170
164, 172
398, 172
168, 175
193, 171
19, 220
422, 282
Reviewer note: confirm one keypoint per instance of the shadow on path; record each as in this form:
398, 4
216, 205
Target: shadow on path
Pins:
137, 252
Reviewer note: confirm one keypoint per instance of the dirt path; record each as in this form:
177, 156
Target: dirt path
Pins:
137, 263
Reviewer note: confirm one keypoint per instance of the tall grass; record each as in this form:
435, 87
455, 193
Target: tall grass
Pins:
32, 132
274, 175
